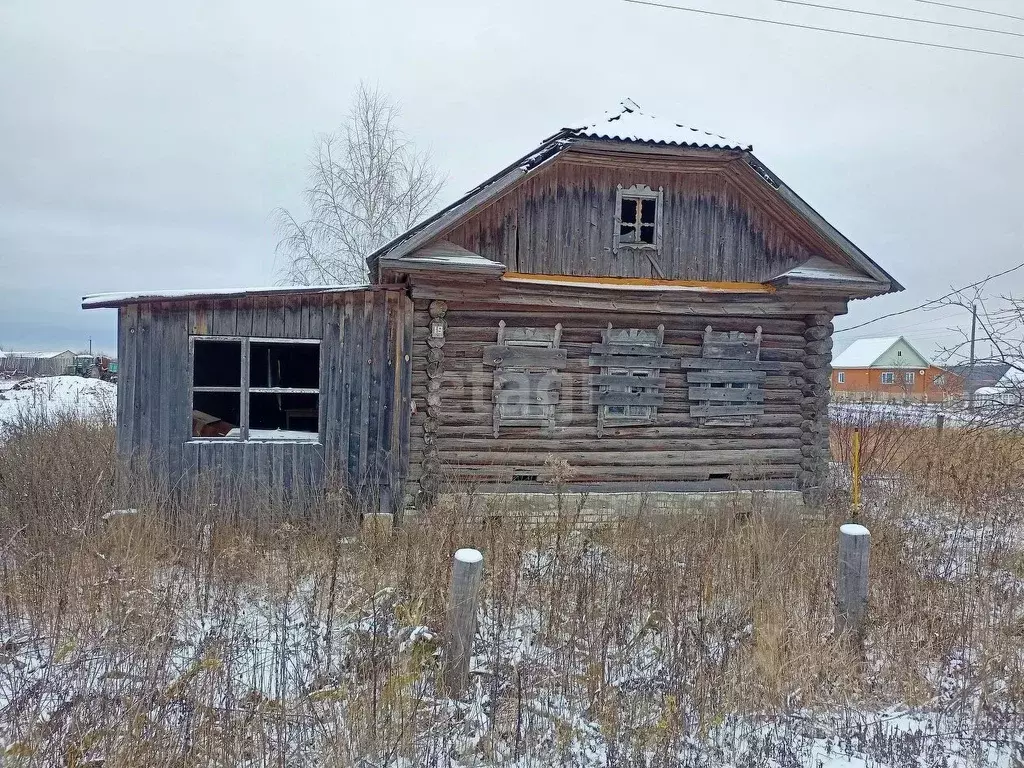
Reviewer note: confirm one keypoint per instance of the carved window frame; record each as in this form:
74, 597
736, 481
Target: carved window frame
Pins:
638, 192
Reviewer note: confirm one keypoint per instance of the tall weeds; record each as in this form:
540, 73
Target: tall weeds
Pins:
198, 629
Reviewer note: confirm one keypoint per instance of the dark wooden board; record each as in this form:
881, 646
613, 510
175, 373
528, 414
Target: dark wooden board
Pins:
727, 394
697, 363
497, 356
726, 377
627, 398
726, 410
652, 361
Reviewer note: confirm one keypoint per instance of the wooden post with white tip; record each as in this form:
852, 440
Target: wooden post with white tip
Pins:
461, 628
852, 580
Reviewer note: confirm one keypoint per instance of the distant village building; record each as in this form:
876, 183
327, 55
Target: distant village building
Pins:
998, 384
633, 306
966, 379
887, 368
37, 363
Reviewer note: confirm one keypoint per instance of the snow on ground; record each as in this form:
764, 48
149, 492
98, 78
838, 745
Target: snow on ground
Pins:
956, 414
44, 398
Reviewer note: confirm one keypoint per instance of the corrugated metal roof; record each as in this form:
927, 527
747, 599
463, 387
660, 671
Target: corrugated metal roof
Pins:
864, 352
628, 123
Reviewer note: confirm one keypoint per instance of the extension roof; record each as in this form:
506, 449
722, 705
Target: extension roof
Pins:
104, 300
626, 127
986, 374
864, 353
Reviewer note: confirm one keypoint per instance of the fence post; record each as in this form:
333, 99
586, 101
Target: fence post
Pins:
855, 468
462, 605
940, 420
852, 579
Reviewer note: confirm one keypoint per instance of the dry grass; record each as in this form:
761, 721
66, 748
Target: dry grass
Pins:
228, 632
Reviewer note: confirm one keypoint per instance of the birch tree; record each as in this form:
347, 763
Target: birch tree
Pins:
367, 184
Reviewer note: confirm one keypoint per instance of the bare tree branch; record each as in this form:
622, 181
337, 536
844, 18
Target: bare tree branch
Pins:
1000, 339
367, 184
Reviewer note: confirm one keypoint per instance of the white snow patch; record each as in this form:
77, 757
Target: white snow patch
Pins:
853, 529
468, 555
44, 398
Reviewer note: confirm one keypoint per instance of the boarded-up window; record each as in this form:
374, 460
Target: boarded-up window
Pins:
255, 389
726, 384
629, 388
526, 389
638, 215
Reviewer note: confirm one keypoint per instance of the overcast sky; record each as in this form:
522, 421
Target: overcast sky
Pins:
144, 146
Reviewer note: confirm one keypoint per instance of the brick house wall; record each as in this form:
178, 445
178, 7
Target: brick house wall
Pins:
868, 382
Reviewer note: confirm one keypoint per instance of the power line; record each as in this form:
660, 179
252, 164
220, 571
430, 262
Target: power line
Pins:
971, 10
824, 29
952, 293
901, 18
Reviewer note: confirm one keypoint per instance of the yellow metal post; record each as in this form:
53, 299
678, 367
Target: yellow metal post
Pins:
855, 466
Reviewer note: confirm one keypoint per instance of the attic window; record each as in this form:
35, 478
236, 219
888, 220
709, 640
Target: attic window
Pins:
638, 217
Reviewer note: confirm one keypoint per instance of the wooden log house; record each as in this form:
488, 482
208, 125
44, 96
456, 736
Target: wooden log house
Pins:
641, 302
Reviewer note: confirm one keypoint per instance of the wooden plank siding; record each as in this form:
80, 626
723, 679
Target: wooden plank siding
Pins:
674, 452
364, 390
561, 221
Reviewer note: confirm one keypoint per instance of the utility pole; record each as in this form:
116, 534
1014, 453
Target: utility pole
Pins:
970, 369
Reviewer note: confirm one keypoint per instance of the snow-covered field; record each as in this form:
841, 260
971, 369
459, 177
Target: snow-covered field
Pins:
39, 399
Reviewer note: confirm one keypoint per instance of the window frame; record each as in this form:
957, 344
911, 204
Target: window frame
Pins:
840, 377
638, 192
888, 378
244, 389
909, 378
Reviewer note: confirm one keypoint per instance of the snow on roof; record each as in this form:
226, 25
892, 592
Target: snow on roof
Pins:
817, 268
628, 123
38, 355
864, 352
98, 300
446, 254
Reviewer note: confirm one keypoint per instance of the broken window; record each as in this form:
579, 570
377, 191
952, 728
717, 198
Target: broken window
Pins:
255, 389
638, 217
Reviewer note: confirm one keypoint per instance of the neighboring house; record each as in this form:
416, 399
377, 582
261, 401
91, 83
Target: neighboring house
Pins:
964, 379
37, 363
632, 306
888, 368
1008, 389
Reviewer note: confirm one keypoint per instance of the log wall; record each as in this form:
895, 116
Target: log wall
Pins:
452, 433
364, 390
